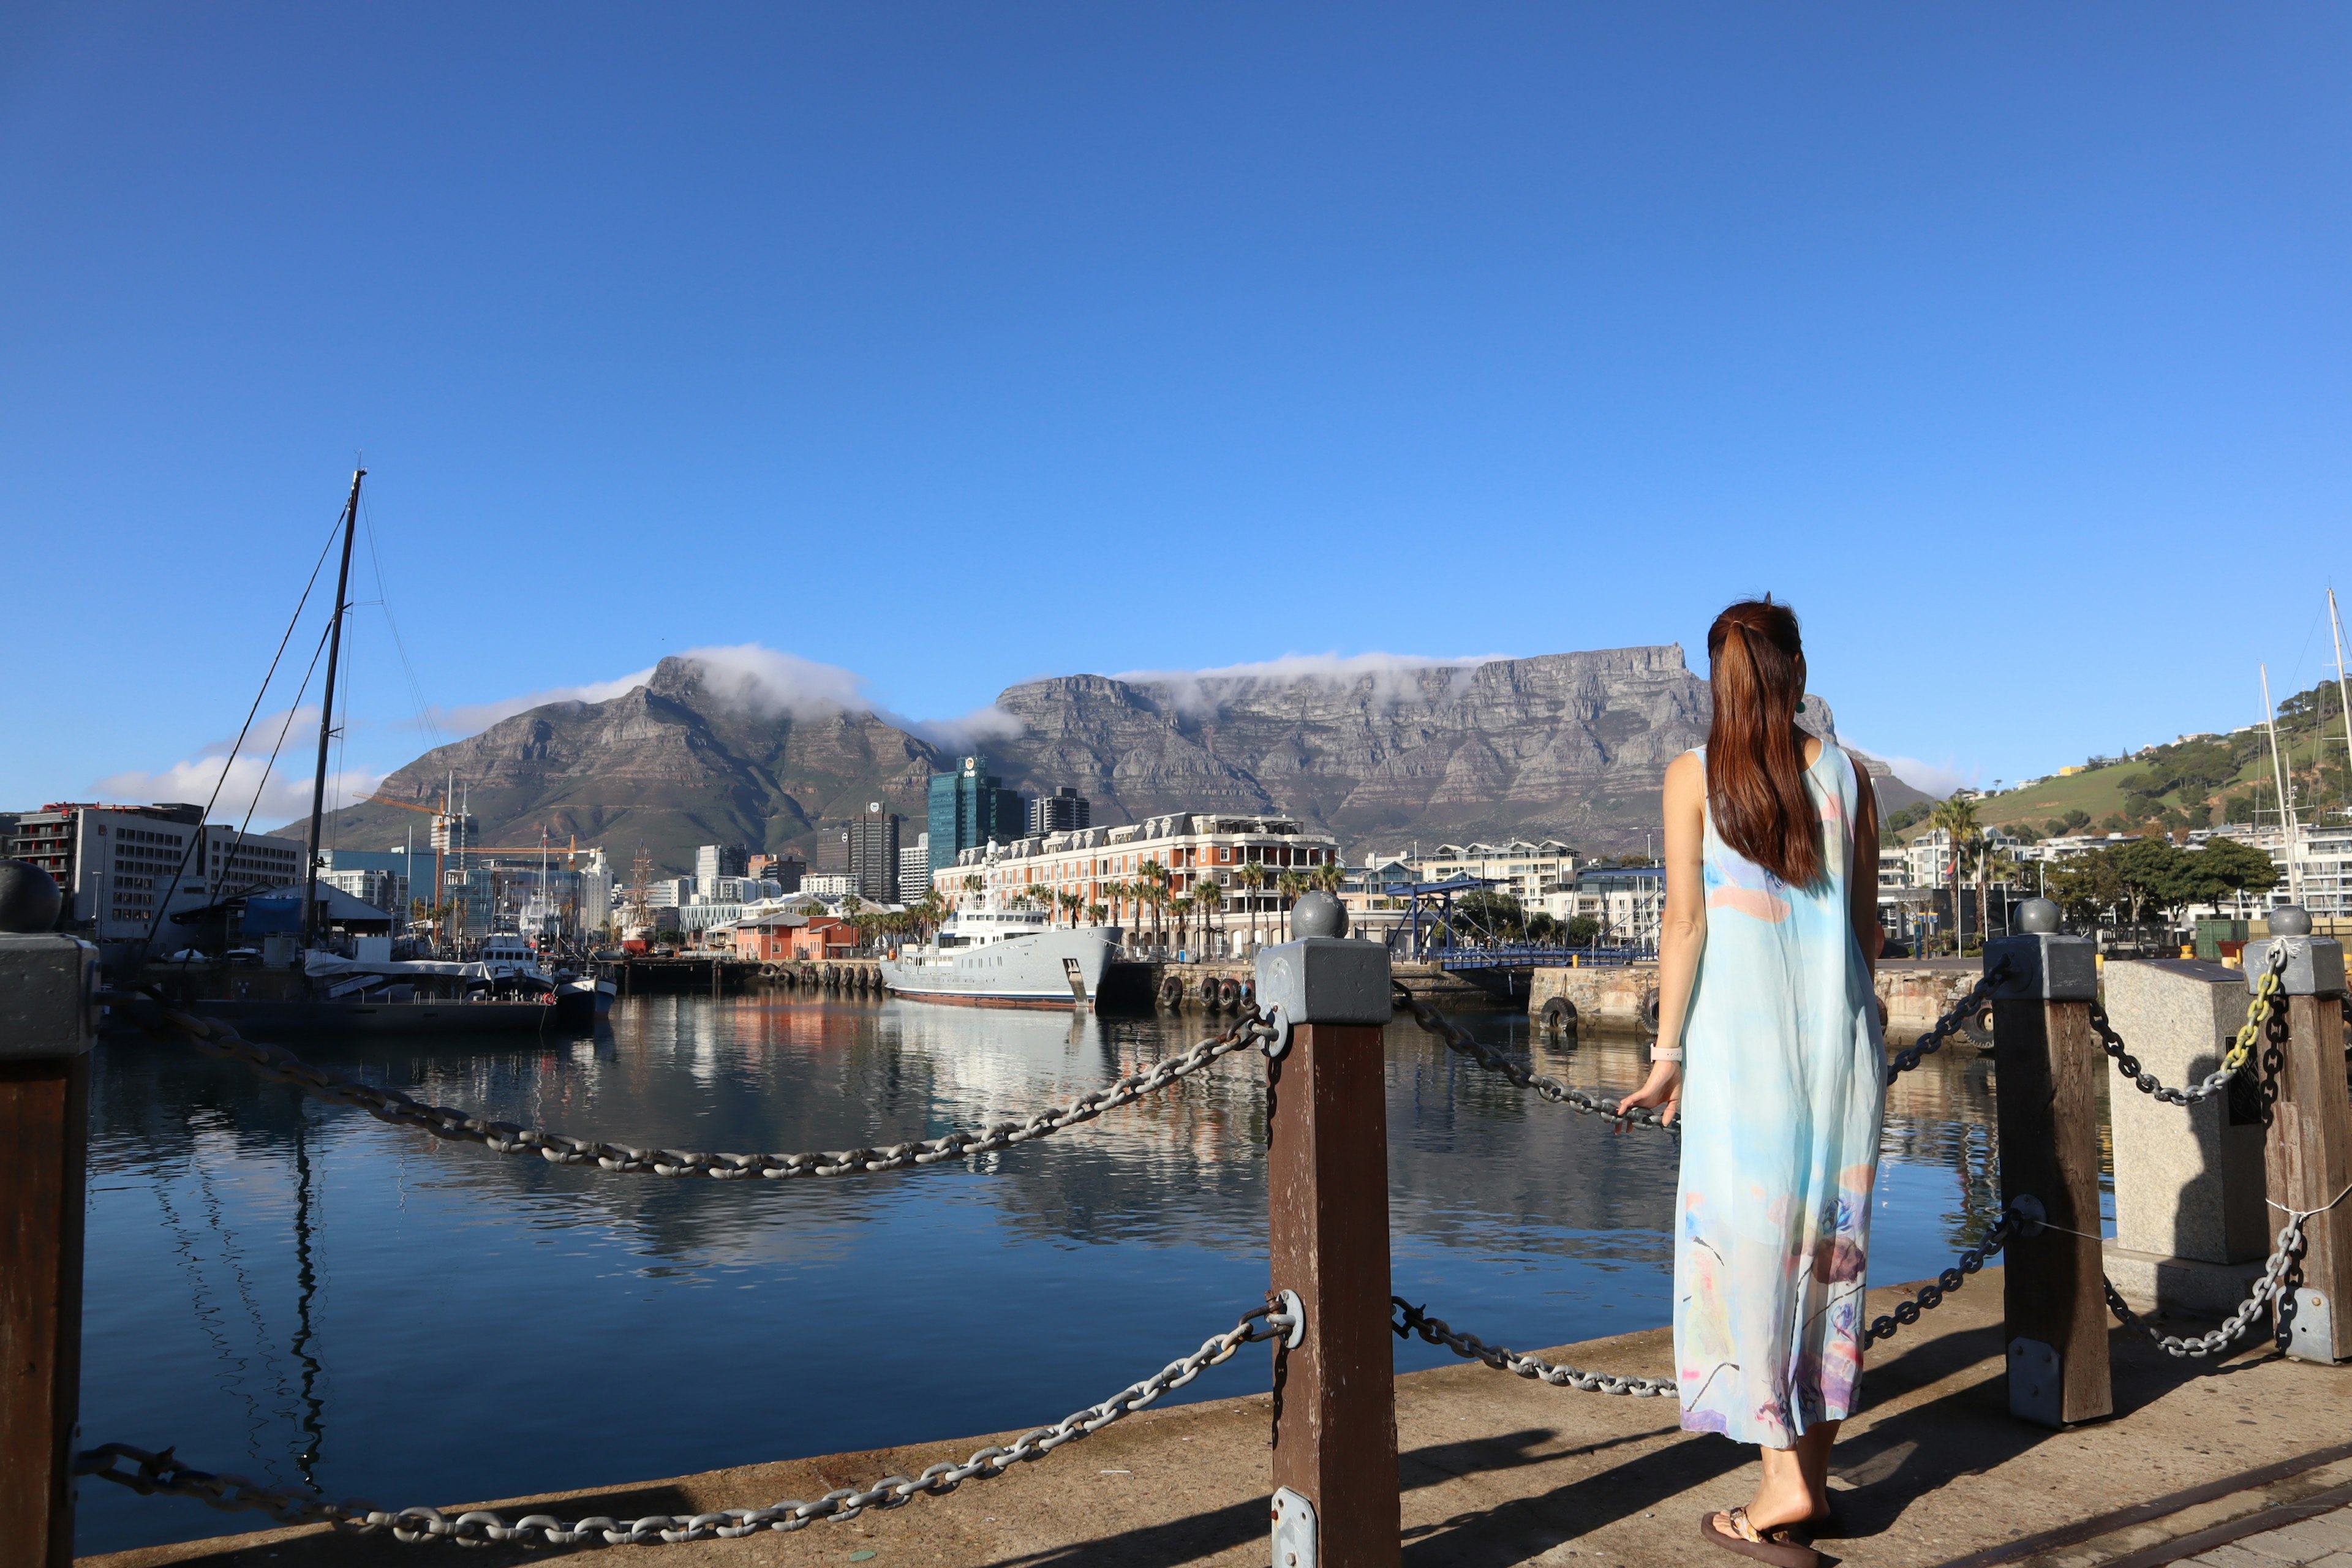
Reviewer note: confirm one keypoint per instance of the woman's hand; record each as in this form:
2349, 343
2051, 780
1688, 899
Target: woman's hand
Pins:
1665, 1088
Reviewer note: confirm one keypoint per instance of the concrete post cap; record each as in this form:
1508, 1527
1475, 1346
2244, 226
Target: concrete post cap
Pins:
2290, 920
49, 996
1321, 980
29, 900
2038, 917
1318, 915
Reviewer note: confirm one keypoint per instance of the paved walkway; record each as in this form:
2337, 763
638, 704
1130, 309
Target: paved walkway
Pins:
1497, 1471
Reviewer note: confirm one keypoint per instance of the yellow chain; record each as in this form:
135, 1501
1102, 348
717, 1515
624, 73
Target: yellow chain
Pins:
2258, 1016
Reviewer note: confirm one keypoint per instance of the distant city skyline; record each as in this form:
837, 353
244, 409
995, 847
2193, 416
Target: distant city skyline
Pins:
917, 355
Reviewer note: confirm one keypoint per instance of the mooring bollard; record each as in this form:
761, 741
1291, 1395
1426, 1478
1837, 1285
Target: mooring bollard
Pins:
48, 990
2047, 1062
2308, 1153
1335, 1448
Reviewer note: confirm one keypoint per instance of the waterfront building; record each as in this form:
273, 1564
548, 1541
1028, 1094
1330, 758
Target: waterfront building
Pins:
1105, 865
829, 887
914, 868
1628, 903
968, 809
786, 870
873, 858
116, 865
385, 890
1529, 871
2316, 874
1063, 811
712, 862
670, 893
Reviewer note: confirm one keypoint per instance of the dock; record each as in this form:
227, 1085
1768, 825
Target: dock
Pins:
1496, 1470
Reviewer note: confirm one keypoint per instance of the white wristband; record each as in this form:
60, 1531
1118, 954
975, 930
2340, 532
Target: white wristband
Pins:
1666, 1053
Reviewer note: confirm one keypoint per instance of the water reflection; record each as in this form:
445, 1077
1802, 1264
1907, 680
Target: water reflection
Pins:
267, 1274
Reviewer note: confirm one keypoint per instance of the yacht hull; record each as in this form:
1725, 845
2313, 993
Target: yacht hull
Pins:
1041, 969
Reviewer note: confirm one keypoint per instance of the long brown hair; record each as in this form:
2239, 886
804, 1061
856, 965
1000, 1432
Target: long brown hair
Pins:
1755, 760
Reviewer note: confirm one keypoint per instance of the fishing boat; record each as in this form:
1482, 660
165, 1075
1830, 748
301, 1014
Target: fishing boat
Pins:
990, 955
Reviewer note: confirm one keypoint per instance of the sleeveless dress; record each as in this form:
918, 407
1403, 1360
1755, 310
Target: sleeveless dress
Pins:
1783, 1090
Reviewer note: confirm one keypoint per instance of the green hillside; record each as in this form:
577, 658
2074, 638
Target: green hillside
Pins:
2198, 782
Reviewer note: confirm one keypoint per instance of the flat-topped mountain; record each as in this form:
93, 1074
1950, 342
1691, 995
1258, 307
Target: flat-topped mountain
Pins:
1570, 745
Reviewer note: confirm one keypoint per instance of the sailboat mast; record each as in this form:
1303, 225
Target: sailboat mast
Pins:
327, 709
2343, 698
2286, 809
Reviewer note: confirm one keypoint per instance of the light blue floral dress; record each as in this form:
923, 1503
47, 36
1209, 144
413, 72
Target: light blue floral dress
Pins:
1783, 1091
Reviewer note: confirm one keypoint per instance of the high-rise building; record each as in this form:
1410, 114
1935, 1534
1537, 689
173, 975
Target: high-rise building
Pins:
1060, 812
713, 861
874, 854
786, 870
968, 807
915, 869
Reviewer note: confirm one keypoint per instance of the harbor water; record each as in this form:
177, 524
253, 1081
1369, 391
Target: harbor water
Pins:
308, 1296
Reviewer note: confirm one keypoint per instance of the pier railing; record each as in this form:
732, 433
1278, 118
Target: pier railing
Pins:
1318, 1007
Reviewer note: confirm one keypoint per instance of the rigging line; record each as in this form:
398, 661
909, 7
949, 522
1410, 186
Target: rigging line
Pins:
383, 602
237, 844
196, 838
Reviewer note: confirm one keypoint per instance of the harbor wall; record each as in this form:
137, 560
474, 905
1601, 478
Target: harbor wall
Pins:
1914, 997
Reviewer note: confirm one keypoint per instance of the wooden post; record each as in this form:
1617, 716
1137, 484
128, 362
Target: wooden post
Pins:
1327, 1217
2047, 1065
2308, 1153
46, 988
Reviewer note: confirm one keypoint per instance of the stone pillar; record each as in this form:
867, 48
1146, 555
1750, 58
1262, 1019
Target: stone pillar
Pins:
2192, 1229
2309, 1150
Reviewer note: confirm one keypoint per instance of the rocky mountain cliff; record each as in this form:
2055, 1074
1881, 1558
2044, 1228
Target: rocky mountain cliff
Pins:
1571, 745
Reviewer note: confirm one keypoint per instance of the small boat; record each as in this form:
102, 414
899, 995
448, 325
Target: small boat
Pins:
986, 955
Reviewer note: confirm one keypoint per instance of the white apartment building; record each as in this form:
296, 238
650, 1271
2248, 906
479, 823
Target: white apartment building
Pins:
2320, 865
116, 865
829, 887
384, 890
1529, 871
1098, 864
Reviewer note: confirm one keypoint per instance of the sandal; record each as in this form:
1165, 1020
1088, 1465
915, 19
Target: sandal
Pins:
1776, 1548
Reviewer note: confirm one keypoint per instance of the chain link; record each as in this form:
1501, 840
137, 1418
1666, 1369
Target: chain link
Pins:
2267, 1290
1970, 1003
214, 1038
1543, 1085
150, 1473
1411, 1319
1931, 1295
2258, 1013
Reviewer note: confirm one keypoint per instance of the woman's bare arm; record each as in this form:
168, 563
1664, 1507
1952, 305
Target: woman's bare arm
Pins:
1681, 936
1862, 881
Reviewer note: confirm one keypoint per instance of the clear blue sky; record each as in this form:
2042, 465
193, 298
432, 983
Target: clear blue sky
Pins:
957, 345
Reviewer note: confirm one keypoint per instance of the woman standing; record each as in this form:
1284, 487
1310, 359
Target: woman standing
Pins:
1769, 1038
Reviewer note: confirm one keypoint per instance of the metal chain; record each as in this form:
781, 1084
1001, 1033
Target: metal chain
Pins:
1412, 1319
1931, 1295
2258, 1013
1971, 1002
2267, 1290
280, 1066
1542, 1085
161, 1472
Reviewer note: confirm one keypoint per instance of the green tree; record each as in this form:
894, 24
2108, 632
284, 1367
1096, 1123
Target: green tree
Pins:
1958, 819
2149, 871
1251, 878
2225, 868
1287, 888
1209, 898
1583, 930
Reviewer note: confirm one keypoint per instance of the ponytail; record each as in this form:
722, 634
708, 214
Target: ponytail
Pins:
1755, 761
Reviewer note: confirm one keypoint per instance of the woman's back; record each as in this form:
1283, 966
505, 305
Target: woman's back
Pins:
1783, 1069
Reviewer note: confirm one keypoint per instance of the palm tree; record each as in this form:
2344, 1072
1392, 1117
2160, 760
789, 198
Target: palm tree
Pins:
1251, 877
1958, 819
1208, 897
1180, 906
1154, 891
1097, 914
1287, 889
1072, 901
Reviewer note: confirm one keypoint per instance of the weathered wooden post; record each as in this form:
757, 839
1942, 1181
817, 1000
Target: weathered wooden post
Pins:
2046, 1062
2308, 1155
1335, 1447
48, 988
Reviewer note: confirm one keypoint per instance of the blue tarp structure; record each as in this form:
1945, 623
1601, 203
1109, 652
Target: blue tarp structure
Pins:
266, 916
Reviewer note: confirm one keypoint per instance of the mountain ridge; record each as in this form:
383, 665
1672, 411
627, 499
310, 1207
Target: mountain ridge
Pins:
1567, 745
